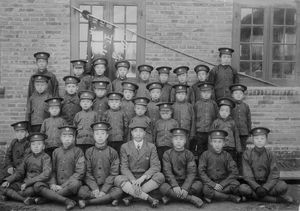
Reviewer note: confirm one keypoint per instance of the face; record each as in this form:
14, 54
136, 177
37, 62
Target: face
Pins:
179, 142
114, 104
238, 95
78, 70
140, 110
54, 110
99, 69
122, 71
86, 104
217, 144
138, 134
155, 94
41, 64
100, 92
40, 87
224, 111
206, 94
260, 140
100, 136
67, 139
144, 75
163, 78
128, 94
180, 96
225, 59
37, 146
20, 134
71, 88
182, 78
166, 114
202, 75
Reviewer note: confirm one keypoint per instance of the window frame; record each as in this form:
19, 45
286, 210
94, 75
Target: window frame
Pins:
108, 15
268, 6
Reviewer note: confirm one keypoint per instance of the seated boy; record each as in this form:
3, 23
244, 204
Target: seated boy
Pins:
180, 170
140, 167
102, 162
218, 171
261, 173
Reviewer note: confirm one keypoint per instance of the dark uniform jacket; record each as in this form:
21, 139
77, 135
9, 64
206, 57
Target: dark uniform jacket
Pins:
128, 108
37, 109
260, 168
153, 111
102, 78
119, 124
52, 84
102, 167
242, 117
117, 84
83, 121
217, 168
34, 168
70, 107
50, 128
184, 114
228, 124
142, 120
142, 91
166, 93
16, 152
206, 111
67, 165
162, 134
179, 168
100, 106
135, 164
222, 76
189, 98
85, 82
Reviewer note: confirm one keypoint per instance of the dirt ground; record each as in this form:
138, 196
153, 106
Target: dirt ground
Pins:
294, 190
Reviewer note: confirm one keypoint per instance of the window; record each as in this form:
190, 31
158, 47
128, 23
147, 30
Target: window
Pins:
128, 15
266, 37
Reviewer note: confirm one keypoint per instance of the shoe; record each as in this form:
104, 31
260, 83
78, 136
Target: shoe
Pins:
3, 198
127, 200
115, 202
197, 202
70, 204
29, 201
207, 200
153, 202
81, 204
40, 200
234, 198
243, 199
286, 199
165, 200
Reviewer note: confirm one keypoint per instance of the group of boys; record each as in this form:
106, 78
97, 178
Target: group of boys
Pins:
105, 142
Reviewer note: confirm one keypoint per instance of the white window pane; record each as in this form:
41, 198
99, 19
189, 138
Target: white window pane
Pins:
119, 33
119, 14
97, 35
131, 14
131, 51
97, 11
129, 35
83, 50
83, 31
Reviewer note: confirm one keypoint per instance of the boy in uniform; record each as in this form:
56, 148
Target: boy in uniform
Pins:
122, 68
102, 168
42, 63
99, 67
182, 76
36, 109
161, 132
129, 90
184, 112
206, 111
70, 104
163, 76
155, 93
50, 125
84, 119
78, 70
180, 170
118, 120
68, 164
223, 75
202, 75
143, 80
32, 173
218, 171
101, 102
261, 173
18, 148
140, 167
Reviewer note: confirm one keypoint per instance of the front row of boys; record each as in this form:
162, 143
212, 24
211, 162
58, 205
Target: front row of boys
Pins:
96, 178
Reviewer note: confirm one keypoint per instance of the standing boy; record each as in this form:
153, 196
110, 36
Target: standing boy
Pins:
163, 76
129, 90
202, 75
143, 80
122, 68
99, 67
100, 104
155, 93
78, 69
180, 170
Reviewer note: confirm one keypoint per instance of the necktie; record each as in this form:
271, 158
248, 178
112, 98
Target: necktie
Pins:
138, 147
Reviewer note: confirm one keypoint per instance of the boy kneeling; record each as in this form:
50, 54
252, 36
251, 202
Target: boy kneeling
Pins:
180, 170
